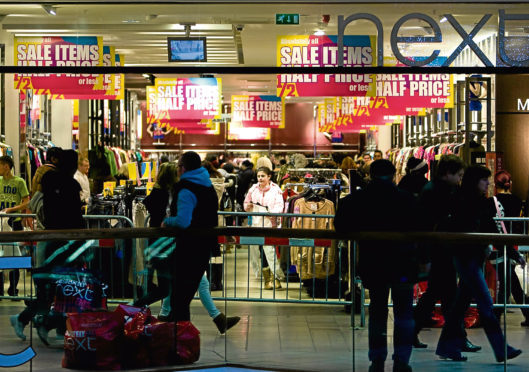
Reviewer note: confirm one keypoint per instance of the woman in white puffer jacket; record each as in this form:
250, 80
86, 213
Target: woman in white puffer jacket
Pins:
265, 197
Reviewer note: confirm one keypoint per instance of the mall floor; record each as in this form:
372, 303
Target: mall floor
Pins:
280, 336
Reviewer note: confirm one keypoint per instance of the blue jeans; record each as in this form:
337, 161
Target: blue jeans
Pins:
403, 331
205, 298
471, 285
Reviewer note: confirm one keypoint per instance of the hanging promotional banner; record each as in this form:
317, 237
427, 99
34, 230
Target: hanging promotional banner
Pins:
112, 86
258, 111
322, 51
237, 132
59, 51
188, 98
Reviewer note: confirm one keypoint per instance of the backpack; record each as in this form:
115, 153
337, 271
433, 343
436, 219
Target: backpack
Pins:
36, 205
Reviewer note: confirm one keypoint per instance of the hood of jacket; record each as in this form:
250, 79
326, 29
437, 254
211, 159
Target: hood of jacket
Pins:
200, 176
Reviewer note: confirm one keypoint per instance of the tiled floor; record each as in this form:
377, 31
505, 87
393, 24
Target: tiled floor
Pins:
279, 336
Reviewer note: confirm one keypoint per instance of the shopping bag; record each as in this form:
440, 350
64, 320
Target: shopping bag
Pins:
172, 343
92, 341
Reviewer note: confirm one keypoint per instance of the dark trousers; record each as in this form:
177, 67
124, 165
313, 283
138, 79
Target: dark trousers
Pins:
156, 293
402, 297
188, 265
471, 285
513, 288
442, 286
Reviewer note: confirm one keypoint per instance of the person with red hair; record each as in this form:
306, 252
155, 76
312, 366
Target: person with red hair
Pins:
505, 204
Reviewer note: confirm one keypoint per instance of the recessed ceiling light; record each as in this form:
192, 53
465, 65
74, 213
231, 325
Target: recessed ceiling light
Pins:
50, 9
319, 32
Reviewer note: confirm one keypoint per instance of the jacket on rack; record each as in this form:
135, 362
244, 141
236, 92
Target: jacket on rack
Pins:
313, 262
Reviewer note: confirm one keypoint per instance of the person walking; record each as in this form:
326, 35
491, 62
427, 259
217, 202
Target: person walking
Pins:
437, 203
396, 260
472, 215
505, 204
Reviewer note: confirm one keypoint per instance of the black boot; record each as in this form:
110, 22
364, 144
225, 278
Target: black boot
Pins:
216, 277
224, 323
14, 277
418, 344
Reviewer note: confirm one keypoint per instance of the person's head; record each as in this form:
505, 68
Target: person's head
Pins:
264, 174
247, 164
347, 163
189, 161
213, 173
416, 166
167, 175
378, 155
382, 169
502, 180
68, 160
53, 154
83, 165
213, 159
366, 157
450, 169
228, 167
283, 162
476, 180
6, 165
164, 159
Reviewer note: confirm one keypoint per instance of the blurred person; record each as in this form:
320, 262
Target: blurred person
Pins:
366, 157
14, 198
158, 205
81, 176
384, 267
62, 210
472, 214
415, 178
377, 155
437, 203
194, 204
265, 197
505, 204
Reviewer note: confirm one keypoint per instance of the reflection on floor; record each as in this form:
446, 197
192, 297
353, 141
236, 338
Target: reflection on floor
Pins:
301, 337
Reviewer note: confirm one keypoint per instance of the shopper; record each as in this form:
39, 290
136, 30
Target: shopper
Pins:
62, 210
265, 197
505, 204
415, 179
244, 181
472, 214
14, 198
377, 155
157, 204
81, 176
437, 203
52, 160
384, 266
366, 157
194, 204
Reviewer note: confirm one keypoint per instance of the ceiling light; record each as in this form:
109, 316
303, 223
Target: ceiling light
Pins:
50, 9
319, 32
443, 20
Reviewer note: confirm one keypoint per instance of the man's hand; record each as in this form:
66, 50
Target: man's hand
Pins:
521, 260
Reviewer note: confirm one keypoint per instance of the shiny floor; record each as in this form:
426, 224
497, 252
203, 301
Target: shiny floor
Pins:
286, 337
280, 336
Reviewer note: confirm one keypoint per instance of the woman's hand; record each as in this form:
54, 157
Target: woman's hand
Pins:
249, 207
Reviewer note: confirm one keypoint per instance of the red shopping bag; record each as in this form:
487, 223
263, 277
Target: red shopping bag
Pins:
173, 343
92, 341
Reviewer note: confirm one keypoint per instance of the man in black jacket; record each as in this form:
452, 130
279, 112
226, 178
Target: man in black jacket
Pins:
245, 178
437, 203
384, 266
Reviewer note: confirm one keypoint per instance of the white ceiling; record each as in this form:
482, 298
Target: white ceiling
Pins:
237, 34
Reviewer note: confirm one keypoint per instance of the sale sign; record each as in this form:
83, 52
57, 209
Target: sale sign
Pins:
237, 132
59, 51
188, 98
258, 111
322, 51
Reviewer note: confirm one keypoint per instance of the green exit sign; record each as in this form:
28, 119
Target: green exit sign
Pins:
287, 19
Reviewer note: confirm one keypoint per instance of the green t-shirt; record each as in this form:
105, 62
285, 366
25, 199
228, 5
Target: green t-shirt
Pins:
12, 192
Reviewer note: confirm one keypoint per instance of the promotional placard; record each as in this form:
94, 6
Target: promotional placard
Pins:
322, 51
258, 111
237, 132
59, 51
